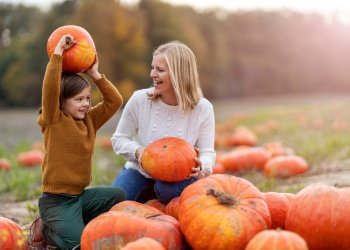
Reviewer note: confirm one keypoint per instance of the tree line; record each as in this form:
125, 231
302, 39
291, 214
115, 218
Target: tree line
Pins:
241, 53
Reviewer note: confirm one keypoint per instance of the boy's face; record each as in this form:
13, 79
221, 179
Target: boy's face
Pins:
78, 105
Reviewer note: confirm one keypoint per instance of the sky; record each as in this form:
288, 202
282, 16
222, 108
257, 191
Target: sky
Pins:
326, 7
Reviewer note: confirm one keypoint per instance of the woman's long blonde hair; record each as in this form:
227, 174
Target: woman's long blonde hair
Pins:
183, 73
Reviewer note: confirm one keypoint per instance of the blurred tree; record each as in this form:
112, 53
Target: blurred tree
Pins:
244, 53
24, 75
119, 38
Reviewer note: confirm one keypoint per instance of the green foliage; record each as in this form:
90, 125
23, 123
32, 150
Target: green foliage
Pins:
23, 183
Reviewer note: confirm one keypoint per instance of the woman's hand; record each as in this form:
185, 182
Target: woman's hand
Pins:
198, 168
64, 43
93, 70
138, 155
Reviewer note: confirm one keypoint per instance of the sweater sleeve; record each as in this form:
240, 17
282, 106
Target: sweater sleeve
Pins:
123, 141
110, 104
205, 141
50, 106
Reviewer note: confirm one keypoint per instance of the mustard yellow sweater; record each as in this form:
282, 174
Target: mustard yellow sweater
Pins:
69, 143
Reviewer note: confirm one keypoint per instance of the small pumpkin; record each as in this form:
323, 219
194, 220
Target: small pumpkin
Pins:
11, 235
144, 243
222, 212
156, 204
172, 208
135, 207
169, 159
245, 158
5, 164
277, 149
285, 166
278, 204
277, 240
241, 136
319, 214
115, 229
30, 158
81, 55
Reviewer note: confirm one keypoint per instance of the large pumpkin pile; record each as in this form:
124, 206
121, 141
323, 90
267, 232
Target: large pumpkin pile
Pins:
239, 151
227, 212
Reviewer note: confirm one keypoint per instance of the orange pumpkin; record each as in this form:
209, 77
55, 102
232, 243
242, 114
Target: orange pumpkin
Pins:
319, 214
156, 204
11, 235
135, 207
144, 243
278, 204
242, 136
277, 149
245, 158
5, 164
172, 208
114, 229
81, 55
169, 159
222, 212
277, 240
30, 158
285, 166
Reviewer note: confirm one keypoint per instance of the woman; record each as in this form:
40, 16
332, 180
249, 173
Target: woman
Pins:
174, 106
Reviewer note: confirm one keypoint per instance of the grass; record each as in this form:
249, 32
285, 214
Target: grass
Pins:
24, 183
318, 132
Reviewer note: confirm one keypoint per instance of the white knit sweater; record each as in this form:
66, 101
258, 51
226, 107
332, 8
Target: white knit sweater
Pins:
144, 121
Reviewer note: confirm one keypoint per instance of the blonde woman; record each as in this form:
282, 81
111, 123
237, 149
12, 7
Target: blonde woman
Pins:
173, 106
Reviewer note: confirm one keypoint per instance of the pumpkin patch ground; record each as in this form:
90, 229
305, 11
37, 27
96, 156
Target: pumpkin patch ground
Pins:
292, 121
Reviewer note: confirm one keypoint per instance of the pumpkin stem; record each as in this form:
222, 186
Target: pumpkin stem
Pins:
222, 197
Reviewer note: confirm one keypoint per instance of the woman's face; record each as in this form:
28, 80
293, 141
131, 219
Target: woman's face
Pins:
160, 76
77, 106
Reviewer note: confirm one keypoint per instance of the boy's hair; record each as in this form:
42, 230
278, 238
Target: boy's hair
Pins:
183, 73
71, 85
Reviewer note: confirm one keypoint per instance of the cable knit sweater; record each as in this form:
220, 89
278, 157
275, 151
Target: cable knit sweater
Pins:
69, 143
144, 121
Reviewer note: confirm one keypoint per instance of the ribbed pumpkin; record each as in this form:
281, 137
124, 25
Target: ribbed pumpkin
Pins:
222, 212
114, 229
245, 158
5, 164
320, 214
156, 204
172, 208
277, 240
30, 158
169, 159
135, 207
278, 204
144, 243
81, 55
11, 235
285, 166
242, 136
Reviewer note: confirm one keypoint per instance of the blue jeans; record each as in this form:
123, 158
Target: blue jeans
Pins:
141, 189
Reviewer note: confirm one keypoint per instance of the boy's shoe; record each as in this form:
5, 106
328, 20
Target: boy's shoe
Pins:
35, 238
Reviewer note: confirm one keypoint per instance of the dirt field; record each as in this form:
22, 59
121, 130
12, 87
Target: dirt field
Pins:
20, 126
